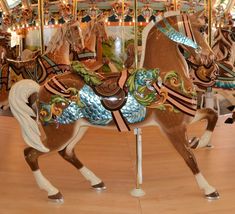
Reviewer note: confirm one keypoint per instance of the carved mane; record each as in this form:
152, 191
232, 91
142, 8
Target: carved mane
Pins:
57, 40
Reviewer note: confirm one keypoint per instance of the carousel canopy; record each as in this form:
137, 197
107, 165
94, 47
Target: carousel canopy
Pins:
25, 12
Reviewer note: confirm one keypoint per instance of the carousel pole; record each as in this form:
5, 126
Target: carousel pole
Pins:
230, 5
137, 191
41, 26
75, 11
210, 97
123, 24
5, 7
209, 12
25, 5
175, 4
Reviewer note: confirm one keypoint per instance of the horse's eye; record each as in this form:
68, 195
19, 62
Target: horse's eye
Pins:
202, 29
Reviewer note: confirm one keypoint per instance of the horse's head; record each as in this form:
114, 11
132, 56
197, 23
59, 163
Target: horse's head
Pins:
69, 34
74, 36
101, 30
203, 55
201, 59
97, 26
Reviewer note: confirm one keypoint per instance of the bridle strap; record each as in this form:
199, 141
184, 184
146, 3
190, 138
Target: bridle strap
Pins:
187, 26
185, 104
184, 36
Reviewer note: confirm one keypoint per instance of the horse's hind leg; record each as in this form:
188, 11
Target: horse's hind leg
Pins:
211, 116
69, 155
177, 135
31, 157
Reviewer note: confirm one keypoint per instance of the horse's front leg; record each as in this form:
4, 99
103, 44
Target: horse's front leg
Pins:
176, 132
69, 155
212, 117
31, 157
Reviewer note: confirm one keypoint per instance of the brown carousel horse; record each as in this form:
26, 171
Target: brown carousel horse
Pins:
159, 93
54, 61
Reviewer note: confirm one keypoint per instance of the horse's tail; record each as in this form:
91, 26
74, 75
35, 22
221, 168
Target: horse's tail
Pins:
18, 99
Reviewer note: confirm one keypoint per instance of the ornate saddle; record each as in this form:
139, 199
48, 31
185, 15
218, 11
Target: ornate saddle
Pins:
113, 94
111, 89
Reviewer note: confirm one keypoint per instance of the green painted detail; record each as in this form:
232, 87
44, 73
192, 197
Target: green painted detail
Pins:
50, 111
90, 78
177, 82
140, 85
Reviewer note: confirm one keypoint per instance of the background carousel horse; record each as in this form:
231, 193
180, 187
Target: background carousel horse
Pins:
160, 93
54, 61
224, 48
94, 33
28, 54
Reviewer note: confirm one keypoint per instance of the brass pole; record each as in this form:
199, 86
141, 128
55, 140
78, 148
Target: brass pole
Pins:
209, 12
136, 65
75, 7
175, 5
136, 32
123, 24
41, 26
5, 7
26, 4
20, 46
137, 192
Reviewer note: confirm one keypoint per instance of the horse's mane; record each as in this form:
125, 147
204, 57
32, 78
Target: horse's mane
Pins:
149, 27
222, 44
57, 40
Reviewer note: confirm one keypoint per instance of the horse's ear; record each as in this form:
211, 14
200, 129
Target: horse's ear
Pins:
199, 14
100, 17
74, 23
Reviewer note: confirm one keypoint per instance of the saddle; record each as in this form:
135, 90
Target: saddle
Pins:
113, 95
110, 88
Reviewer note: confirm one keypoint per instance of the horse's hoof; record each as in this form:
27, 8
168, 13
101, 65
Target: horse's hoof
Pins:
213, 196
209, 146
229, 121
58, 198
99, 187
193, 143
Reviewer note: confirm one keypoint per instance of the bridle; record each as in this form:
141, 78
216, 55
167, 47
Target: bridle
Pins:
185, 34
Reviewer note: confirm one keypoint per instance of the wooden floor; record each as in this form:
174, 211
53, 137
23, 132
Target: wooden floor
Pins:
169, 185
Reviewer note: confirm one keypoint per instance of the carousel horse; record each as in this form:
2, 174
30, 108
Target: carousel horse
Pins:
54, 61
159, 93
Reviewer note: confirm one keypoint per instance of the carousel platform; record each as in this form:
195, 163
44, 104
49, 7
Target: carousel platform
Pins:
169, 185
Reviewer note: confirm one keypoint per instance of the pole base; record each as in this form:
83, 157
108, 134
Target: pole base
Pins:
137, 192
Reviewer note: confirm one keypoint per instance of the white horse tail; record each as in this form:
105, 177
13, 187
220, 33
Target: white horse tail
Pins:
18, 99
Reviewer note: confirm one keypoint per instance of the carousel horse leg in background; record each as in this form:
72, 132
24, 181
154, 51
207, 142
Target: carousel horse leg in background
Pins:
211, 117
41, 67
158, 93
